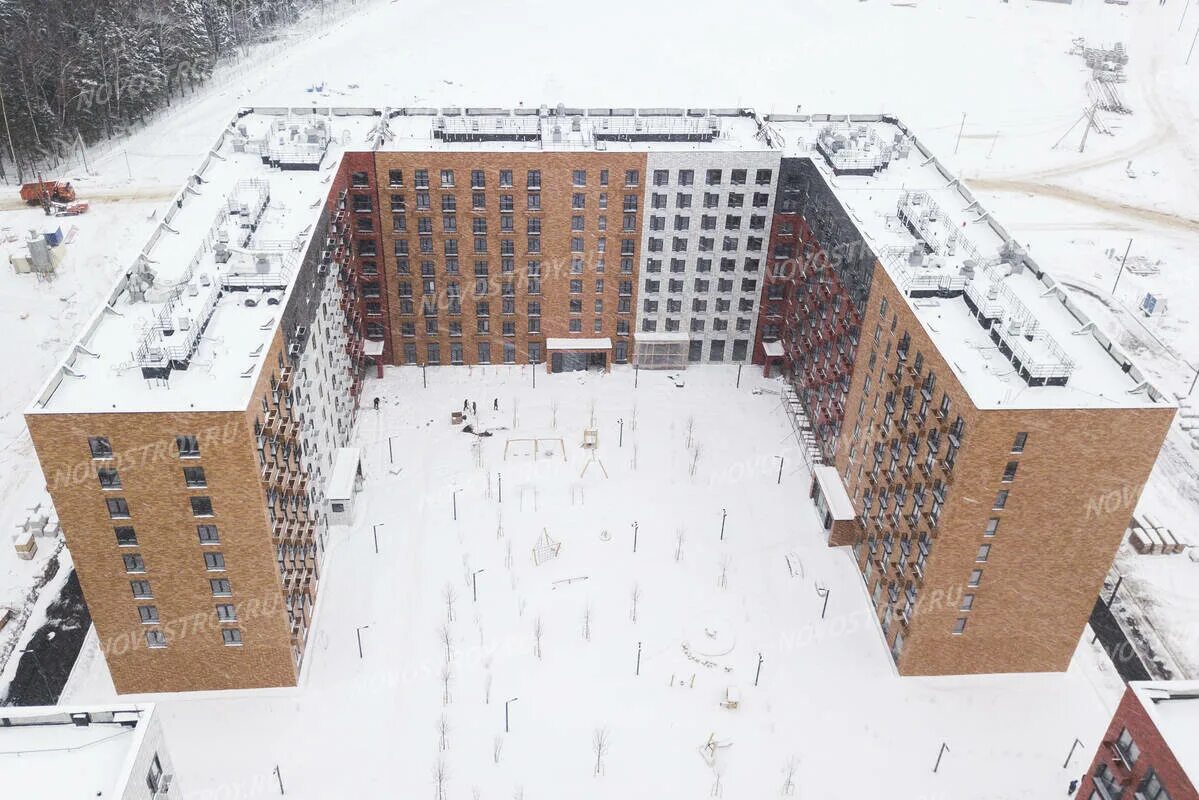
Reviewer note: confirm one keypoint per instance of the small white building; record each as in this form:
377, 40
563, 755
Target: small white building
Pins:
344, 483
64, 753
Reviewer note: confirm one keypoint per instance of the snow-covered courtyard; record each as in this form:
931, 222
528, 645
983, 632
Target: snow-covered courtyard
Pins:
643, 626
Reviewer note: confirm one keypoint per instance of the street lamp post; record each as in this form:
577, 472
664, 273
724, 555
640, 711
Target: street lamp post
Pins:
506, 704
375, 532
474, 584
359, 631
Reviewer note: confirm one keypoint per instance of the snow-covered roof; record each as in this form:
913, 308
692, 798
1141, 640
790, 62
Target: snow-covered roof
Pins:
950, 257
833, 491
772, 349
57, 753
603, 343
345, 472
1174, 708
210, 285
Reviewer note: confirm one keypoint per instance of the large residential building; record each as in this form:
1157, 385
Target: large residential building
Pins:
189, 438
64, 753
1150, 751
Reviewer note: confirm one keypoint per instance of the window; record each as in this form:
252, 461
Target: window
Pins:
631, 177
231, 637
506, 177
1000, 499
967, 602
661, 177
992, 527
117, 508
763, 176
133, 562
447, 178
738, 177
154, 777
1021, 441
395, 177
959, 625
147, 614
1128, 748
125, 536
109, 479
214, 562
686, 177
1151, 788
155, 639
976, 577
220, 587
225, 612
359, 179
194, 477
208, 534
189, 446
712, 177
201, 506
984, 552
141, 589
100, 447
579, 177
1009, 472
533, 179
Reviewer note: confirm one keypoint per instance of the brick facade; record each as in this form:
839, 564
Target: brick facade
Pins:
1114, 758
1052, 543
496, 236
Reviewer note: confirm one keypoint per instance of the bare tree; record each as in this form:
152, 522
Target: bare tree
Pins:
447, 642
497, 748
634, 456
695, 460
443, 733
476, 792
636, 597
723, 580
554, 412
633, 421
680, 536
447, 675
599, 744
690, 431
717, 788
789, 772
487, 688
587, 622
537, 632
508, 555
450, 597
441, 774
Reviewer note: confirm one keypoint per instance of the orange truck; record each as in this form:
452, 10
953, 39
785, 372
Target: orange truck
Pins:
40, 192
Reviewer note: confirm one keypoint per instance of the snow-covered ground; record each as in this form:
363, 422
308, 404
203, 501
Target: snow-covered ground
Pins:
1004, 67
706, 611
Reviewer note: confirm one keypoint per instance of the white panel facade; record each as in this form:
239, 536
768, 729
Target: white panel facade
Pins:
322, 395
704, 248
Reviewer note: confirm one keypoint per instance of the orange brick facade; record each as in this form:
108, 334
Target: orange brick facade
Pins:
1052, 542
518, 247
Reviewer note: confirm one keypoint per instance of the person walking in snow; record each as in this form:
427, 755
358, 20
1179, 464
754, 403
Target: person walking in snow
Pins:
495, 404
1073, 787
465, 406
474, 409
376, 404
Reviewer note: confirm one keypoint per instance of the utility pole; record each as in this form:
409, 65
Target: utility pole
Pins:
758, 674
724, 514
1122, 262
634, 537
474, 585
620, 441
960, 130
375, 531
1192, 50
1090, 124
780, 480
128, 168
279, 775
